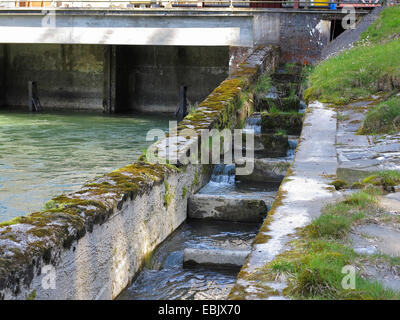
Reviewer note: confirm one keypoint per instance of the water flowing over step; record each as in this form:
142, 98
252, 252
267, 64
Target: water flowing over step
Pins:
224, 199
165, 278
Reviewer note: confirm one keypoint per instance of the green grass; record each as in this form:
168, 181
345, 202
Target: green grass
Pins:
313, 268
263, 84
385, 28
386, 178
336, 219
355, 73
383, 118
373, 65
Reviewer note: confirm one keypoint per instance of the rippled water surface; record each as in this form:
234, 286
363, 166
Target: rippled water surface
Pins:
43, 155
165, 278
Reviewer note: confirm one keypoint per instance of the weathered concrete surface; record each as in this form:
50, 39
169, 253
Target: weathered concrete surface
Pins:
268, 145
141, 78
149, 77
361, 155
95, 240
239, 208
273, 122
300, 199
302, 33
267, 170
2, 74
214, 257
68, 77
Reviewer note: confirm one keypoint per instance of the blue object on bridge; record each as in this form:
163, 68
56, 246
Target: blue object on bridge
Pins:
333, 6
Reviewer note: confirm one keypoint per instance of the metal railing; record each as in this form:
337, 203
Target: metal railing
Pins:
166, 4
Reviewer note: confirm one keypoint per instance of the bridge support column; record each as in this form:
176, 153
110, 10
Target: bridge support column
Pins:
109, 89
3, 71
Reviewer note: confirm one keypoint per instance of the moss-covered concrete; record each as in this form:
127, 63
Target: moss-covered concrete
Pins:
290, 122
89, 236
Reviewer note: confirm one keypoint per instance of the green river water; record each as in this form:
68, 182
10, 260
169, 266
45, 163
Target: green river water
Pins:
45, 154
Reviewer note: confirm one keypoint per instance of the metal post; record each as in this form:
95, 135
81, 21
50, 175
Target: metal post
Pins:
30, 95
182, 108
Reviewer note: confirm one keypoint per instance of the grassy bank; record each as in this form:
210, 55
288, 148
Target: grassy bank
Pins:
373, 65
313, 268
384, 118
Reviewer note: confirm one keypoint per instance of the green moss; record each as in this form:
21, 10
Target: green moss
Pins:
184, 192
31, 296
168, 196
291, 122
386, 179
339, 184
357, 185
383, 118
196, 179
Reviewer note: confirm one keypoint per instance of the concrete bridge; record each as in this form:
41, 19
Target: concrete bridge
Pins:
128, 58
240, 27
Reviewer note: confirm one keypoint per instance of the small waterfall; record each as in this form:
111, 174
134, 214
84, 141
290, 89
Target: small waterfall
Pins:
292, 147
224, 173
253, 122
303, 107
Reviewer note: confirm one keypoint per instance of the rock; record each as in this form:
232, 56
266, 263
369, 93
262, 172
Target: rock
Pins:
215, 257
227, 207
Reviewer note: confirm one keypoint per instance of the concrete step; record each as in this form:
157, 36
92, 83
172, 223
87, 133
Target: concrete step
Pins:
292, 123
268, 145
266, 170
222, 258
252, 207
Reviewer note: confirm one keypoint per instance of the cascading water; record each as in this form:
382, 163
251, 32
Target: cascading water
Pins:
224, 173
292, 146
253, 122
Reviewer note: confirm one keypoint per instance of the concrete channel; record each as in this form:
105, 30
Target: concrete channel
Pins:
227, 201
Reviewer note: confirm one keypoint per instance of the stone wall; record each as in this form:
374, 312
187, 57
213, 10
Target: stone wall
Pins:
90, 244
302, 37
149, 77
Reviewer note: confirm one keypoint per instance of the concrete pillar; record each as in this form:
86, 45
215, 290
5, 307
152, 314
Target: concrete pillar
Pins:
3, 72
109, 89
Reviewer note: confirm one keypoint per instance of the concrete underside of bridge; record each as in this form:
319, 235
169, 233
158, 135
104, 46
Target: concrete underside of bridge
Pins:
116, 61
109, 78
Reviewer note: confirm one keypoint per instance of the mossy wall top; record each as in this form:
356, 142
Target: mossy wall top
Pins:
30, 241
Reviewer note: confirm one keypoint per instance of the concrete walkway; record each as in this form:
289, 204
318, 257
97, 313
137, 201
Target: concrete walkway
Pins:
300, 199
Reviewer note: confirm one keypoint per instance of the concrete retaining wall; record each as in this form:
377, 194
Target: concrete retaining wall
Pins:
2, 73
68, 76
141, 78
90, 244
149, 77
